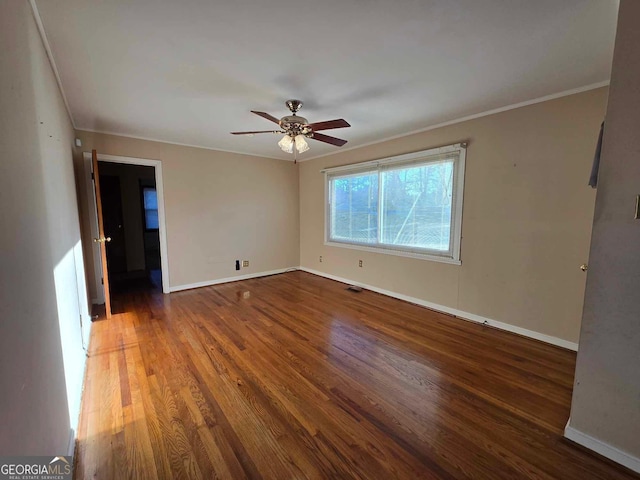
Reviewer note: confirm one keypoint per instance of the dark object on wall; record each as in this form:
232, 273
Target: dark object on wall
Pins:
593, 180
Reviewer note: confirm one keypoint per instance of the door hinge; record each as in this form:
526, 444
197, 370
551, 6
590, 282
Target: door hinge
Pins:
102, 280
93, 177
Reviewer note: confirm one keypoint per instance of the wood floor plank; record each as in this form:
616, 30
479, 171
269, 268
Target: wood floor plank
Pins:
293, 376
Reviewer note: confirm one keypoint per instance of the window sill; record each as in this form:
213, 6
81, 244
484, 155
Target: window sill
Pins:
398, 253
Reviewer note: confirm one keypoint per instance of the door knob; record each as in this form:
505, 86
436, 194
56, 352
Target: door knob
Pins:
102, 240
584, 267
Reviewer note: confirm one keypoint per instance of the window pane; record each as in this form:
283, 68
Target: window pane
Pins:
150, 198
151, 219
354, 208
416, 206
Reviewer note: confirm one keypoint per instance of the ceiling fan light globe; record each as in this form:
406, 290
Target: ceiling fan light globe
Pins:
286, 144
301, 144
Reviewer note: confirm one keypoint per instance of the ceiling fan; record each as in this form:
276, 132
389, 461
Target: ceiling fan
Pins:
296, 129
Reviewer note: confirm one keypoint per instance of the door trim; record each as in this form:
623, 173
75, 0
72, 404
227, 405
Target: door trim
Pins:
162, 225
101, 237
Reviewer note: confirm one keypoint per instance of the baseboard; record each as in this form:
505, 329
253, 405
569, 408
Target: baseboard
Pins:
604, 449
559, 342
207, 283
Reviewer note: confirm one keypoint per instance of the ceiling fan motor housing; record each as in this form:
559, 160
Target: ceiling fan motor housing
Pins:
294, 125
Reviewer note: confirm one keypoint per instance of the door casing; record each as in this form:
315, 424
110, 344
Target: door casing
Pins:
93, 219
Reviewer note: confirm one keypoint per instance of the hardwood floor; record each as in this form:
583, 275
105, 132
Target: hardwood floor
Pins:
292, 376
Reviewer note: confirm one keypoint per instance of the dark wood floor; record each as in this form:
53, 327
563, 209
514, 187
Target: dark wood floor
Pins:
292, 376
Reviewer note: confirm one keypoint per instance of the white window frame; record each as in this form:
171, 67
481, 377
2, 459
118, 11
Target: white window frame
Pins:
459, 168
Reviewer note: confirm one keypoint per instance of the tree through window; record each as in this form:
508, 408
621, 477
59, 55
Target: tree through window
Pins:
410, 203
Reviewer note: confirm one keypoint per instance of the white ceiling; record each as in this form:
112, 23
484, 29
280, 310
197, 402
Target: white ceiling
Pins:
189, 71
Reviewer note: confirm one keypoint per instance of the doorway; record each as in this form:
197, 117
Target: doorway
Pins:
130, 215
133, 214
113, 218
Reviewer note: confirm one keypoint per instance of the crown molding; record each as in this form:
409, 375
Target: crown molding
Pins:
486, 113
52, 61
474, 116
190, 145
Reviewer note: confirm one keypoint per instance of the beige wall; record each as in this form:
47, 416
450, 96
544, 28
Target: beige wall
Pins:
606, 396
41, 355
526, 221
220, 207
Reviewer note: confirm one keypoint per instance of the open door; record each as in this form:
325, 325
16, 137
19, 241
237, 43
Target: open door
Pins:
102, 240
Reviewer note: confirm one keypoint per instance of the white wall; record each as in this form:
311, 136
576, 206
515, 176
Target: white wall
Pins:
605, 412
41, 355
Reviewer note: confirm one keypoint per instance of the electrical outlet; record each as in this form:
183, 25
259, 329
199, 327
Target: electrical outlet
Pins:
320, 258
359, 263
237, 264
245, 263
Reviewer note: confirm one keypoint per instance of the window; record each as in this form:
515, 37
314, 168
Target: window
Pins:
150, 203
406, 205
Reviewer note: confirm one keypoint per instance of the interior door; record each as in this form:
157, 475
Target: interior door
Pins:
113, 220
102, 240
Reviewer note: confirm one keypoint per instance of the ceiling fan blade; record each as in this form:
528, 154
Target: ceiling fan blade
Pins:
338, 142
329, 124
267, 116
258, 131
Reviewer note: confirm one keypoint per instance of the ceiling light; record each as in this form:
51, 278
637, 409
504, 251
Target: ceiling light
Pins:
301, 144
286, 144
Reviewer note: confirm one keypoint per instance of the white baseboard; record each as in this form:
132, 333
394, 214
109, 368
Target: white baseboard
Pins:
455, 312
208, 283
602, 448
